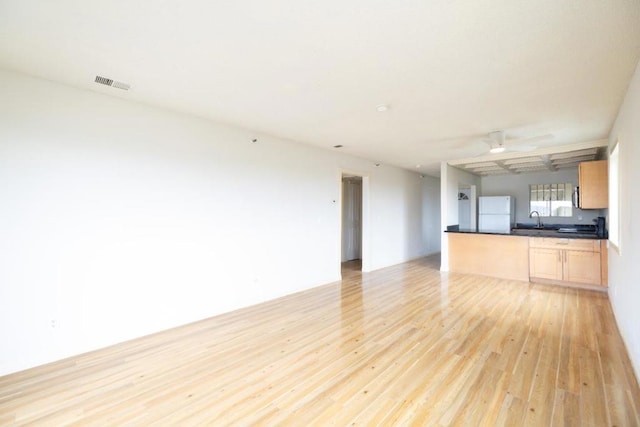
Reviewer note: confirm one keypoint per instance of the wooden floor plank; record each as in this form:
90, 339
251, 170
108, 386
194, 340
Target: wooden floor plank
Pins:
405, 345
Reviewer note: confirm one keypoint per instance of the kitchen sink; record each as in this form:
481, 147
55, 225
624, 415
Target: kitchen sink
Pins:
553, 232
534, 231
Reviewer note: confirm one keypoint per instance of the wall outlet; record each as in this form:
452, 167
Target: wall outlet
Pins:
53, 323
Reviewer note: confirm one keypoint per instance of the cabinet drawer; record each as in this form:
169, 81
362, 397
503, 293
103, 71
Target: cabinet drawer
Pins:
560, 243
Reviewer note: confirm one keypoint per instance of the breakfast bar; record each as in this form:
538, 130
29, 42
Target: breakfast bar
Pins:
561, 255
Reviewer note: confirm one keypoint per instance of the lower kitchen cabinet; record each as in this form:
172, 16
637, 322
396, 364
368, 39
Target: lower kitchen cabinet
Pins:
545, 263
485, 254
565, 260
582, 267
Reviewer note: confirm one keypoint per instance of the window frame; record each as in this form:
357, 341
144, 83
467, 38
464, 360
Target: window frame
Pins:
567, 193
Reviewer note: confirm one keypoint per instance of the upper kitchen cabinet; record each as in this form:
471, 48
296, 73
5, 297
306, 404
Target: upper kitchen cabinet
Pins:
593, 181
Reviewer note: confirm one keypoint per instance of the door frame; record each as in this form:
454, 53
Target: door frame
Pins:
366, 219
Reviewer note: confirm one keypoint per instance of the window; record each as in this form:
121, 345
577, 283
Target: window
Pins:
551, 199
614, 197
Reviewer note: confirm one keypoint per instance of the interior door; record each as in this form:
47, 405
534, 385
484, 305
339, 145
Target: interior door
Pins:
464, 209
351, 218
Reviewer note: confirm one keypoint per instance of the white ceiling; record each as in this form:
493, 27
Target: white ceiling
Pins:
314, 72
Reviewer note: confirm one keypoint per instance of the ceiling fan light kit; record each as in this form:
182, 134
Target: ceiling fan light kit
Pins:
496, 142
496, 149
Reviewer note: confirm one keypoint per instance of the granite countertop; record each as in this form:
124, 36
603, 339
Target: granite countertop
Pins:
563, 231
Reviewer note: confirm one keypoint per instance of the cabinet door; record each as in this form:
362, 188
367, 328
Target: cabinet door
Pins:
594, 184
545, 263
582, 267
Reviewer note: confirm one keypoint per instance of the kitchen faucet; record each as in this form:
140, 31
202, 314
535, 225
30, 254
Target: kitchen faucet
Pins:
538, 215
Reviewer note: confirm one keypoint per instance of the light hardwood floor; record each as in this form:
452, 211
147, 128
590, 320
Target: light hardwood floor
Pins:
399, 346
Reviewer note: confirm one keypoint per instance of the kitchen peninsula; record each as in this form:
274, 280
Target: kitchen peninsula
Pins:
575, 258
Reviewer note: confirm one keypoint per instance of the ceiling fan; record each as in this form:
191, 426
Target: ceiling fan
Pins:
499, 143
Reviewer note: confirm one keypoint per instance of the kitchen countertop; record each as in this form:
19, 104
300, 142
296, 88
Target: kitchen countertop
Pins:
533, 232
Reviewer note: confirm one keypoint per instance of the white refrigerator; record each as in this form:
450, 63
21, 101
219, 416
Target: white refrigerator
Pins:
496, 214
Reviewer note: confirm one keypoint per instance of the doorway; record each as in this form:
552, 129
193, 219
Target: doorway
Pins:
467, 206
352, 188
464, 208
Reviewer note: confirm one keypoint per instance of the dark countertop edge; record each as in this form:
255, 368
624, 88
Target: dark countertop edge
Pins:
532, 234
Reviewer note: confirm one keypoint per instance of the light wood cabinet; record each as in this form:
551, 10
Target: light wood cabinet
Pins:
593, 180
545, 263
566, 260
563, 261
582, 267
505, 257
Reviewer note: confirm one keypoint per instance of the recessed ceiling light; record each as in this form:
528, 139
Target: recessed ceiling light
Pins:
382, 108
418, 166
497, 149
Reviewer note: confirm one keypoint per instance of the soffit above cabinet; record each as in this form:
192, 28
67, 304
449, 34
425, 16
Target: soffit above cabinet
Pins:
550, 159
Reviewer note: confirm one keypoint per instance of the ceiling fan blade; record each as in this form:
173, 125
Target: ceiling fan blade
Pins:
455, 142
530, 139
521, 148
480, 144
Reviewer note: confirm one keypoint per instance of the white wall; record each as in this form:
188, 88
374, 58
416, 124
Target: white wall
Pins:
518, 186
450, 180
431, 231
624, 269
119, 220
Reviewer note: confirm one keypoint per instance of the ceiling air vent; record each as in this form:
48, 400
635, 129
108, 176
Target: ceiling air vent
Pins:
113, 83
